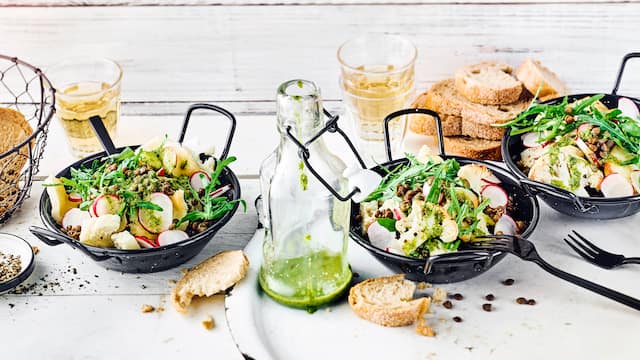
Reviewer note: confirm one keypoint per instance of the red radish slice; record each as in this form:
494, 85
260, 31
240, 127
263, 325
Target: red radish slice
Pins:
75, 197
161, 172
146, 243
491, 180
74, 217
496, 195
616, 185
155, 221
505, 225
171, 237
199, 180
591, 156
379, 236
635, 180
398, 214
530, 140
583, 128
220, 191
628, 108
106, 204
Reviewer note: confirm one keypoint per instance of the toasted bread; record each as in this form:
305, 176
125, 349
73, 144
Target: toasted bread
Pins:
489, 83
387, 301
443, 98
534, 76
481, 131
473, 148
213, 275
426, 125
495, 114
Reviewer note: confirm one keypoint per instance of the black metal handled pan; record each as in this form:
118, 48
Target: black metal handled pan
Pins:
144, 260
565, 201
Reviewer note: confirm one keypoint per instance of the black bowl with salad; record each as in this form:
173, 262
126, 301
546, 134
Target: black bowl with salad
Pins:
428, 209
143, 208
579, 153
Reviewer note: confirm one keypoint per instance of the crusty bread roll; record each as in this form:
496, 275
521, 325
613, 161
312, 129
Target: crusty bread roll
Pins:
534, 76
387, 301
210, 277
489, 83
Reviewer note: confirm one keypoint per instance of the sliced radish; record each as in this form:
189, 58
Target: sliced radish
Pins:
591, 156
505, 225
398, 214
106, 204
199, 180
74, 217
530, 140
220, 191
635, 180
616, 185
583, 128
155, 221
146, 243
171, 237
379, 236
75, 197
628, 108
496, 195
491, 181
161, 172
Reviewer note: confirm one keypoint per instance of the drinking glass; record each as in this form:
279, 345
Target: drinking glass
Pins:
86, 87
377, 78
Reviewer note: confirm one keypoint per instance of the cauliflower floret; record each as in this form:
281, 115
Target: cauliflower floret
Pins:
425, 154
97, 231
367, 211
530, 155
125, 241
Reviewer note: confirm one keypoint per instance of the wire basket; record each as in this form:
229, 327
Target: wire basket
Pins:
23, 88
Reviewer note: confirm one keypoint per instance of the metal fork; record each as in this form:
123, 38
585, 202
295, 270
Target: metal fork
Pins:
525, 250
596, 255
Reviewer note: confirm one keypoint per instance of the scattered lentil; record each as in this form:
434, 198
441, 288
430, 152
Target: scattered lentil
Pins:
486, 307
508, 282
458, 296
447, 304
10, 266
457, 319
521, 300
490, 297
531, 302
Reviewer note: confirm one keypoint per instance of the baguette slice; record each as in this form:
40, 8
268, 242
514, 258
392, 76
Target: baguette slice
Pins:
489, 83
443, 98
534, 75
387, 301
481, 149
210, 277
495, 114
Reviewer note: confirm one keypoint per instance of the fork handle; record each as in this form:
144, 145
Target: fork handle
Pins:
631, 260
598, 289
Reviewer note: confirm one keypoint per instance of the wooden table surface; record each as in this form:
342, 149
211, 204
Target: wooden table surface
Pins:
234, 54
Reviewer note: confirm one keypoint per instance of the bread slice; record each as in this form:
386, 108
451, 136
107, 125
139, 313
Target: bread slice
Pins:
426, 125
489, 83
443, 98
495, 114
534, 76
14, 129
210, 277
387, 301
481, 149
481, 131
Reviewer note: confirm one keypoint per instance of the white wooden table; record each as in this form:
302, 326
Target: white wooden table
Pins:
235, 54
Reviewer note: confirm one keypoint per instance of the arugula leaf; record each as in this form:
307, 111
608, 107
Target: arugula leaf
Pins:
389, 224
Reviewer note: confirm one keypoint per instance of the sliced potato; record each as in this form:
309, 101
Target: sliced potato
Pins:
125, 241
179, 208
59, 199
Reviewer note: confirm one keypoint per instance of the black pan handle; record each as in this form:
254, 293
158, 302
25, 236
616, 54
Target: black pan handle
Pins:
52, 238
226, 113
485, 257
622, 65
535, 187
393, 115
102, 134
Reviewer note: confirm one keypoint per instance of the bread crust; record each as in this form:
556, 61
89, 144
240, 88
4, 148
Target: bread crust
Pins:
488, 83
213, 275
443, 98
495, 114
363, 301
481, 131
534, 75
473, 148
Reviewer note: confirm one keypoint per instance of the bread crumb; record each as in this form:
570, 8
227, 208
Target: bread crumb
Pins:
160, 309
36, 250
424, 329
208, 323
146, 308
424, 285
439, 295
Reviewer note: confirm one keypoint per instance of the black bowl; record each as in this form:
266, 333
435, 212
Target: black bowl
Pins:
456, 266
135, 261
562, 200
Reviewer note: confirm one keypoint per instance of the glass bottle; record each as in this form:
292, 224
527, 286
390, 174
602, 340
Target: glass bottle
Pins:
306, 228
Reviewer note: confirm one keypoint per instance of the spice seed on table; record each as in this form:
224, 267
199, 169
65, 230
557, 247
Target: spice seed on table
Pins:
531, 302
457, 319
486, 307
447, 304
490, 297
508, 282
521, 300
458, 296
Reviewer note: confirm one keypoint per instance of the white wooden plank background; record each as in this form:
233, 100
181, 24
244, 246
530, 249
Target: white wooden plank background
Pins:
242, 53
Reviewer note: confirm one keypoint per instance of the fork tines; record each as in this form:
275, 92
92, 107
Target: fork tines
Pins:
586, 251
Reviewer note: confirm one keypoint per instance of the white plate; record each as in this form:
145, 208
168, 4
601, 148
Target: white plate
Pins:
567, 320
14, 245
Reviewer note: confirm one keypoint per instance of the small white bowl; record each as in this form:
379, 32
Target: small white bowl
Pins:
14, 245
